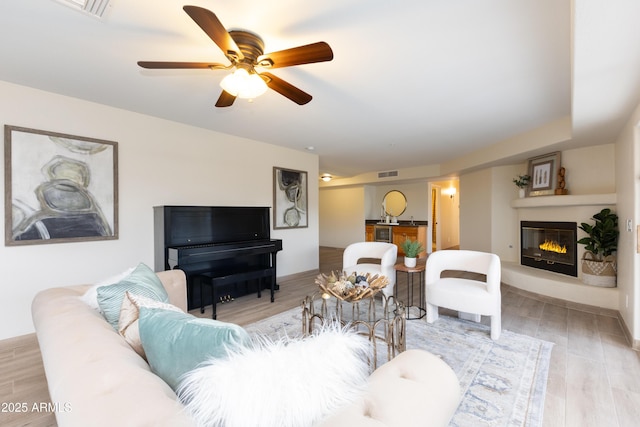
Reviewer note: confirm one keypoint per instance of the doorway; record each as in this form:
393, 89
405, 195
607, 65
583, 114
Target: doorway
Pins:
434, 235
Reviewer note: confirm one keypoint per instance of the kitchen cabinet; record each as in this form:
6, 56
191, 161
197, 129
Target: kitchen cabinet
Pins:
404, 232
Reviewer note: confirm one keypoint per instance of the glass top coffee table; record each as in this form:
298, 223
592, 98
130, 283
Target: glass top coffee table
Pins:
380, 318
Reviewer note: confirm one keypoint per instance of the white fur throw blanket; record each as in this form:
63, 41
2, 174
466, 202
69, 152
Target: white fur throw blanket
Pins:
285, 383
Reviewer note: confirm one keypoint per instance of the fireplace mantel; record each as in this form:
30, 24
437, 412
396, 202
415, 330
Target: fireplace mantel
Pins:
567, 200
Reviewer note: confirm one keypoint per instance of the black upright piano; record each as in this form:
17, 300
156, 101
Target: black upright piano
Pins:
230, 242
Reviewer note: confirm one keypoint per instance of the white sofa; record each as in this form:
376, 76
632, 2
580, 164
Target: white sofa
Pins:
95, 378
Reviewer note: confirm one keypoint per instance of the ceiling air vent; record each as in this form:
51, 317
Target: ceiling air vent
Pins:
387, 174
95, 8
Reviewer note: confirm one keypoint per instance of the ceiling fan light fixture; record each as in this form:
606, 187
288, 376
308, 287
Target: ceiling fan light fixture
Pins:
243, 84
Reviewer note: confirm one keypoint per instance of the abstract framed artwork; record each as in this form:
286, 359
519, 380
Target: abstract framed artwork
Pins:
289, 198
543, 171
59, 188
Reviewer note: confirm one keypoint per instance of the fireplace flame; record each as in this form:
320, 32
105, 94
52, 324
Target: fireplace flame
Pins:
552, 246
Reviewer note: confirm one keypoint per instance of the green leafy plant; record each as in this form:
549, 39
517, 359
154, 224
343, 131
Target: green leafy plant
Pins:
412, 248
603, 234
522, 181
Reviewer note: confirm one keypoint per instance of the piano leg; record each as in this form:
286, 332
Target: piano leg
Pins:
198, 283
273, 276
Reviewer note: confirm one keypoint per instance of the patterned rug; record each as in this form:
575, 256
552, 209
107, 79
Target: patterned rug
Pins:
503, 382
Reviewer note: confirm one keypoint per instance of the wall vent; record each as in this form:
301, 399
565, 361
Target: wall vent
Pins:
387, 174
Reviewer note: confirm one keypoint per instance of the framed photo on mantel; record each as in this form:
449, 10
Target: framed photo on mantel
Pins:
543, 171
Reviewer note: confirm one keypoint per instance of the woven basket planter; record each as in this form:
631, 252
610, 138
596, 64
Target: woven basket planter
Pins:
599, 273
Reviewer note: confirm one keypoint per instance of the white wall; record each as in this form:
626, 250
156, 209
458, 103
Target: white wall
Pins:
341, 216
505, 227
475, 210
160, 163
628, 209
590, 170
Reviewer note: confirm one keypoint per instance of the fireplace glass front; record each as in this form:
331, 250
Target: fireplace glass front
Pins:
549, 246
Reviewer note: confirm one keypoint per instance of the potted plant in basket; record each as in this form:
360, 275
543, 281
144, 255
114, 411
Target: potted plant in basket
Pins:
599, 266
411, 249
522, 181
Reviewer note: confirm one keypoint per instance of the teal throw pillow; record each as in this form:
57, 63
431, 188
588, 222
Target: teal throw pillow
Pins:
142, 281
176, 343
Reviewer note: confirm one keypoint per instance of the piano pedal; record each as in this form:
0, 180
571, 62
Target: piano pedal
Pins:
226, 298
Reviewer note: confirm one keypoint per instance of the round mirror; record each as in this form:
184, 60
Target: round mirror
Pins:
394, 203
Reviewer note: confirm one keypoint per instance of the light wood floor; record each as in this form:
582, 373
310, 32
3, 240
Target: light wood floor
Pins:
594, 379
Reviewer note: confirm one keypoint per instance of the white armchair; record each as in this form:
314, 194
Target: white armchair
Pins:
467, 296
387, 253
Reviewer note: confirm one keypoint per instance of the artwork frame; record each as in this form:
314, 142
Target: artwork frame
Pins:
290, 184
543, 171
59, 188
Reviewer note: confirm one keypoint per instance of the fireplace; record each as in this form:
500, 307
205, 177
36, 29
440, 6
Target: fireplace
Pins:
549, 246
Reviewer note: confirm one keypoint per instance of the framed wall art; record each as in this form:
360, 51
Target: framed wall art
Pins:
543, 171
59, 188
289, 198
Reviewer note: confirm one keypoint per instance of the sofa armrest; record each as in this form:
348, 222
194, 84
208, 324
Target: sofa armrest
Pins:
412, 388
175, 283
92, 373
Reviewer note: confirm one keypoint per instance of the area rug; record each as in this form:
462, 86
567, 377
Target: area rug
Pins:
503, 382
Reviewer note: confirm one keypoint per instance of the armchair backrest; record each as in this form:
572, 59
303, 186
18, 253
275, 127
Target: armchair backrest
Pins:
465, 260
386, 252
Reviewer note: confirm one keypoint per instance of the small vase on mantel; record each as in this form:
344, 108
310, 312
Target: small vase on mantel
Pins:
521, 193
410, 262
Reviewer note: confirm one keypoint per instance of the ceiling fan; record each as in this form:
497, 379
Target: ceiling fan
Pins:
245, 51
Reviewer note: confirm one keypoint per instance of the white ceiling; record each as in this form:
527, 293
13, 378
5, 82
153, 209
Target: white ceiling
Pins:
413, 83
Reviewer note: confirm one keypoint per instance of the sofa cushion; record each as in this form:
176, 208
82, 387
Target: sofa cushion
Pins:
176, 343
142, 281
90, 297
286, 383
128, 325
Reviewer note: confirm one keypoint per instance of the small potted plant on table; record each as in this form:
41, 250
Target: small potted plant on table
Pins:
411, 249
599, 267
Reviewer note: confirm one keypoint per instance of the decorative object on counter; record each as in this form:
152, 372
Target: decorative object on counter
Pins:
522, 182
599, 267
350, 288
411, 250
544, 175
561, 190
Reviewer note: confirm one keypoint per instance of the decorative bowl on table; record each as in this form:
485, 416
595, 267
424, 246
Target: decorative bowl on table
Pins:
351, 287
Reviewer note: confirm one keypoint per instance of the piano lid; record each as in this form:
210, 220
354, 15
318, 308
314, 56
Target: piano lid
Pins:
194, 225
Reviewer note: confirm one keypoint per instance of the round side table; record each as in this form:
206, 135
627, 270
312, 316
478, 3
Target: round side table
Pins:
411, 273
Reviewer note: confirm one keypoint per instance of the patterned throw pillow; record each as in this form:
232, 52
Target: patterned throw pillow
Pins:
142, 281
128, 325
90, 297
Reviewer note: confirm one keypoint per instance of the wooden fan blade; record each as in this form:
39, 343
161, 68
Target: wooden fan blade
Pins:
165, 64
315, 52
211, 25
286, 89
225, 100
